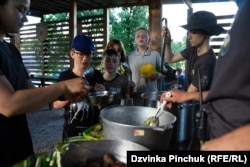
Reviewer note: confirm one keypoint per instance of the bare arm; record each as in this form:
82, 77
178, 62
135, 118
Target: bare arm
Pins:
60, 104
30, 84
238, 139
178, 96
23, 101
170, 56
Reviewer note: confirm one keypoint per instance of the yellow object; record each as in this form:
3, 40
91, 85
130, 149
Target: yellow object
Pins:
147, 70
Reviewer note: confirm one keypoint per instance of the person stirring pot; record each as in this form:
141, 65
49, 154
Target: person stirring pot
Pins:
18, 95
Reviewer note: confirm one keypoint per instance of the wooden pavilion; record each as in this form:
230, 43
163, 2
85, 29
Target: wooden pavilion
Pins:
39, 8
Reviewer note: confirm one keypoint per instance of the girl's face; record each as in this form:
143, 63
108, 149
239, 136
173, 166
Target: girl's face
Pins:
111, 63
196, 37
141, 38
13, 15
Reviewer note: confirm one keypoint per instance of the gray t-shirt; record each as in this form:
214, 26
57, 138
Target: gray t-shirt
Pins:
135, 60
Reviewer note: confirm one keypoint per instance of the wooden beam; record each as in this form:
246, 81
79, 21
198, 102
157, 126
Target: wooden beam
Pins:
106, 27
155, 25
155, 15
72, 24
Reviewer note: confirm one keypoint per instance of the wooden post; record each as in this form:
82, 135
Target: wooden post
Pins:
155, 15
106, 27
72, 25
155, 25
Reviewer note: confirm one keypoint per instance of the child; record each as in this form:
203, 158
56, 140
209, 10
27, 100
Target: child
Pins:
142, 56
112, 80
81, 115
123, 68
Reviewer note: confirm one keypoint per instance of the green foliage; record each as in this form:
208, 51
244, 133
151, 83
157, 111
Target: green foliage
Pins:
56, 17
85, 13
124, 21
176, 48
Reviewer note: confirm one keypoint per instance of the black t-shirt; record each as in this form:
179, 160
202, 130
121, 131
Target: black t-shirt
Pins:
15, 140
77, 120
205, 63
229, 97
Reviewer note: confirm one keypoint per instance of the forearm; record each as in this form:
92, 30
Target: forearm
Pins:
28, 100
178, 96
168, 53
60, 104
195, 96
237, 139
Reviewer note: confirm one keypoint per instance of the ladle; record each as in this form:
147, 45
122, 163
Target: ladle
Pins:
154, 120
88, 72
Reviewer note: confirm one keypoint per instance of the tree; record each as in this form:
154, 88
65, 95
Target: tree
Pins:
124, 21
176, 48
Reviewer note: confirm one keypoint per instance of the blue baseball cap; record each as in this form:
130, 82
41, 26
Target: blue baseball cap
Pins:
83, 43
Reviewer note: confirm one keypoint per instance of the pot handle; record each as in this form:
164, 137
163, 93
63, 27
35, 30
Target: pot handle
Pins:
163, 128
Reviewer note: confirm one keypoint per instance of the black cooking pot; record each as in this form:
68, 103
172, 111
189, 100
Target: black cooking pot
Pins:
184, 126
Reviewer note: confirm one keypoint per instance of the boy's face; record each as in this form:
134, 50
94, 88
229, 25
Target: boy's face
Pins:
13, 15
82, 59
111, 63
141, 38
197, 37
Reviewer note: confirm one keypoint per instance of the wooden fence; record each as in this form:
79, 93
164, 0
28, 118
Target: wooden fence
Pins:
45, 60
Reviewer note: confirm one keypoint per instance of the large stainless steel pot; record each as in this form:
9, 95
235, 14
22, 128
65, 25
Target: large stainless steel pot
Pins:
79, 152
126, 123
151, 99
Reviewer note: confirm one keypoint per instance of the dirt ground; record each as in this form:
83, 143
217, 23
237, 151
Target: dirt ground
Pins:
45, 128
